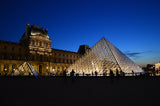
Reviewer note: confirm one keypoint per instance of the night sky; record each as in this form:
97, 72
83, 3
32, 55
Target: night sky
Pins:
133, 26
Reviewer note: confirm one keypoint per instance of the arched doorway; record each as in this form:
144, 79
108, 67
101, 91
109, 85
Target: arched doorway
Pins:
40, 69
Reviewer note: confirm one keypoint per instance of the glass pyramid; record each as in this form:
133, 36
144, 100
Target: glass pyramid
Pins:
102, 58
24, 70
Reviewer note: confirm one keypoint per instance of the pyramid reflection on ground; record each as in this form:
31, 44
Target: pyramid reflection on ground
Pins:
103, 57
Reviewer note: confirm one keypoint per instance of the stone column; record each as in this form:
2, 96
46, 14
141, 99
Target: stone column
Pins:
9, 69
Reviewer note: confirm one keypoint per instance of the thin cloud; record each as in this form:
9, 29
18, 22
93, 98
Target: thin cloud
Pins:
133, 54
136, 54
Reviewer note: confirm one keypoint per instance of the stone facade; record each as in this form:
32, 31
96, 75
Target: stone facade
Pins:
35, 48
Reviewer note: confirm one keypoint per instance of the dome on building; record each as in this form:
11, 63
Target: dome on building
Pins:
36, 30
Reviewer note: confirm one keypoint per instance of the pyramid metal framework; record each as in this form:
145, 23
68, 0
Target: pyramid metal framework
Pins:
25, 69
103, 57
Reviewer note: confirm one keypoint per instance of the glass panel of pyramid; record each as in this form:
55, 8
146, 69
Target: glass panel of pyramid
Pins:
103, 57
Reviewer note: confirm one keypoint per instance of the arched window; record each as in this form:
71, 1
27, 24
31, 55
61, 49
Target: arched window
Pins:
41, 58
71, 61
58, 69
40, 43
46, 44
6, 68
40, 69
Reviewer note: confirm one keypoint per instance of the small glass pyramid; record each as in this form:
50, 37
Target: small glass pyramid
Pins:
25, 69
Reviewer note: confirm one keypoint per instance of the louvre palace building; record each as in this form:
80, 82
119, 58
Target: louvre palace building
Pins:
34, 47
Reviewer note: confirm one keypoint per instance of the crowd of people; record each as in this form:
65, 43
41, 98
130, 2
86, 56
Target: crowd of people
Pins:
111, 73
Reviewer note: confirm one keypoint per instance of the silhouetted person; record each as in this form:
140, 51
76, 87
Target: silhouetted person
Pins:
64, 73
92, 73
72, 73
132, 73
111, 73
96, 73
157, 71
83, 73
117, 73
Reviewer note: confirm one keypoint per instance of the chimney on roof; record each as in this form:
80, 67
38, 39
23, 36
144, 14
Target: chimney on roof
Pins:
27, 28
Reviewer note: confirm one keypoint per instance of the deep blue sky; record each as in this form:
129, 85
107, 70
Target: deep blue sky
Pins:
133, 26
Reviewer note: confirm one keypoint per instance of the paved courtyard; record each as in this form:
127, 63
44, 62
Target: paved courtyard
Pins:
81, 91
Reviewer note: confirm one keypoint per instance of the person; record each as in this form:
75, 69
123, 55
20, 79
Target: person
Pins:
72, 73
65, 73
132, 73
117, 73
96, 73
72, 76
92, 73
83, 73
111, 73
